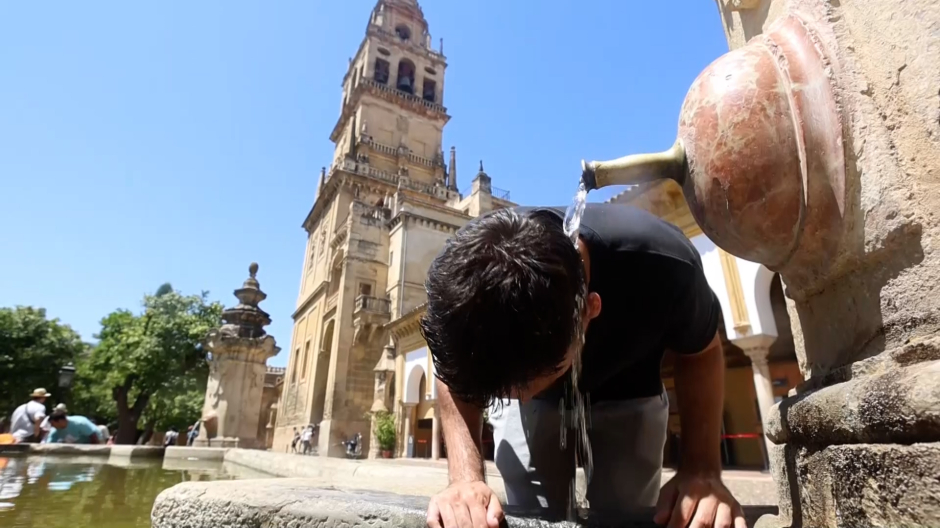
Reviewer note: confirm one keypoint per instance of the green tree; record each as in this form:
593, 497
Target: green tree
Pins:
155, 357
32, 350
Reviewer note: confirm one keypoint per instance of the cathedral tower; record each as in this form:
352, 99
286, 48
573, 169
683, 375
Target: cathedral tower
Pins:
384, 207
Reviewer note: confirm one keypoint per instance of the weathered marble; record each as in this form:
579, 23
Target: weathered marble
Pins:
298, 503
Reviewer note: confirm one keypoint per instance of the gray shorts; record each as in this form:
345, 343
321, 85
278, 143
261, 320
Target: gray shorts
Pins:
627, 440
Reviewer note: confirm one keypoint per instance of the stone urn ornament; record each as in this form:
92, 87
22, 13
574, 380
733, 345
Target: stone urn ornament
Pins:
759, 153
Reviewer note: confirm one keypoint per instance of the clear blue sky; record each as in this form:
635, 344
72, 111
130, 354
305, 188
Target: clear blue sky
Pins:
146, 142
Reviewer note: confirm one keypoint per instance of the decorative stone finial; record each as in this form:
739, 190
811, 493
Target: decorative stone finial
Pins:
481, 167
246, 319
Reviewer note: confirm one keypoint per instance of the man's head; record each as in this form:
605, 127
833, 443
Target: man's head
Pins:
59, 419
508, 306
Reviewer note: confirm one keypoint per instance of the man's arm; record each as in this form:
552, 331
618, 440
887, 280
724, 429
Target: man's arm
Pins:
696, 494
467, 502
700, 389
463, 430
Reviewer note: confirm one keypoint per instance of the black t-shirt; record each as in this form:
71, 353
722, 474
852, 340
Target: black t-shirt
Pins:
654, 296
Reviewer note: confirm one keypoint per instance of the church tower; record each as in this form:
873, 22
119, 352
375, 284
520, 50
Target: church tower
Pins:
384, 207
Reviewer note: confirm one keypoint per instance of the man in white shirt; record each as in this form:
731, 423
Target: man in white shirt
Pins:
28, 417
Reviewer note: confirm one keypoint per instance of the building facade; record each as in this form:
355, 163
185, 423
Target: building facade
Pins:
383, 210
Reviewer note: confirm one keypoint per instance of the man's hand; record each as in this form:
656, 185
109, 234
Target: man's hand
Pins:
465, 505
697, 500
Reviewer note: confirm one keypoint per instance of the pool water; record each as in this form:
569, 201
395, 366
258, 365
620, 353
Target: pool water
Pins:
88, 492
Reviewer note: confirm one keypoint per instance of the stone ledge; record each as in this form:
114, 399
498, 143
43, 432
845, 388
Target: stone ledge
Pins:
136, 451
896, 405
201, 453
296, 503
120, 451
57, 449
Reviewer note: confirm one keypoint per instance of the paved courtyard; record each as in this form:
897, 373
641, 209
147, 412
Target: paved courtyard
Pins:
425, 477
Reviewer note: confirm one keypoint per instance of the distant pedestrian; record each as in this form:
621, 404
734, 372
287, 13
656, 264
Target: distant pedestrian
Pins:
72, 430
293, 443
27, 418
306, 438
193, 433
171, 436
44, 427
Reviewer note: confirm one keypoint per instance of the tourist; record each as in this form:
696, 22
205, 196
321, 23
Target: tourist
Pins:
44, 427
103, 432
27, 418
71, 430
305, 439
293, 442
170, 438
511, 300
193, 433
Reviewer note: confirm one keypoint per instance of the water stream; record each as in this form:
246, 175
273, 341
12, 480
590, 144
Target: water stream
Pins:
579, 405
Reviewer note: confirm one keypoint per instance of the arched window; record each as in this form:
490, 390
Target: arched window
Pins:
428, 90
406, 76
381, 71
403, 32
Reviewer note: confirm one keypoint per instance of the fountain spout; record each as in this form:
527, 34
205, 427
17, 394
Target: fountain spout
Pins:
636, 169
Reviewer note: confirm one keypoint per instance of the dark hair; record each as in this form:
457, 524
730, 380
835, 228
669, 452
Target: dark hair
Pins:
57, 415
505, 299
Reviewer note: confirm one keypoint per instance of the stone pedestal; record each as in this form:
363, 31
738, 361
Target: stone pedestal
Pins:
857, 444
238, 352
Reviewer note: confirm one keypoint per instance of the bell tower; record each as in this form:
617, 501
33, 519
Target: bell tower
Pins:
392, 112
388, 162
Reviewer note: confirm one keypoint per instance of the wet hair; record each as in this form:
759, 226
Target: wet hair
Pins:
58, 415
505, 301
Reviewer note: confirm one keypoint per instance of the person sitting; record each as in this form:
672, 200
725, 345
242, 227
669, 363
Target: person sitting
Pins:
71, 429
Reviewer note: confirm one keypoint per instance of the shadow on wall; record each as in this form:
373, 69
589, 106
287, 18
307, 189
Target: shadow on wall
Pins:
843, 322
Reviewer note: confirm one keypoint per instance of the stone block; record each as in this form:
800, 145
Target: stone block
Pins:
136, 451
897, 405
201, 453
870, 485
70, 449
297, 503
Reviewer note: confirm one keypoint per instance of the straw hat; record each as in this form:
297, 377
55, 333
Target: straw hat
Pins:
40, 393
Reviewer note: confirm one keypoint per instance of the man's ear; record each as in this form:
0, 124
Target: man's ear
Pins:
593, 305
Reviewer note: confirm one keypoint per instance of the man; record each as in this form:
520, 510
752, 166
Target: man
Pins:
294, 440
511, 299
44, 427
71, 429
27, 418
305, 439
170, 438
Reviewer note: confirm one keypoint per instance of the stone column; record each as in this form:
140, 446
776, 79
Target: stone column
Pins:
436, 434
407, 410
757, 349
238, 353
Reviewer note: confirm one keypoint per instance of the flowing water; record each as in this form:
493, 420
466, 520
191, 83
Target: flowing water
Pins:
578, 404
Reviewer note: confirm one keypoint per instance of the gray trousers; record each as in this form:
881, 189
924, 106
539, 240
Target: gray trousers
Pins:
627, 440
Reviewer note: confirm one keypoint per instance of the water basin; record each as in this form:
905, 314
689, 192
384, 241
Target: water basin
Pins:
95, 492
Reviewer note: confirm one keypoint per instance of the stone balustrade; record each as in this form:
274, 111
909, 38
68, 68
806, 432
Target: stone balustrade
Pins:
377, 305
434, 107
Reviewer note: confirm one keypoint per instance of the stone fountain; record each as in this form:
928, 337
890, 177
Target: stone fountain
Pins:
238, 352
814, 148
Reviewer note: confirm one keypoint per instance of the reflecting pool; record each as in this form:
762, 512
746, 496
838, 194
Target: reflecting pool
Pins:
94, 492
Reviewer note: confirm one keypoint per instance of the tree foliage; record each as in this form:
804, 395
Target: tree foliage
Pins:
151, 365
32, 350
